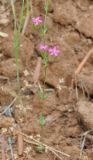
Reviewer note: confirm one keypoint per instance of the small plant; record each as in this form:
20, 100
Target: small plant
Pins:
40, 148
45, 52
41, 94
17, 30
41, 120
16, 43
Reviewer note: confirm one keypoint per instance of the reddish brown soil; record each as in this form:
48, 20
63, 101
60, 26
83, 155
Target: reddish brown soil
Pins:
70, 26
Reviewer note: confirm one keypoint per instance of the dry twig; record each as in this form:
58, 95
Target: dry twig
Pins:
20, 143
27, 19
10, 105
81, 65
83, 139
36, 142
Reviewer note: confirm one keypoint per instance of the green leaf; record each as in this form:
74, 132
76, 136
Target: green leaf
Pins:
43, 30
46, 7
40, 148
41, 120
41, 94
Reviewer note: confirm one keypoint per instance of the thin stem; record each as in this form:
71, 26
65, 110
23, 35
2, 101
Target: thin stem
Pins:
21, 17
16, 48
43, 39
45, 74
16, 45
27, 7
14, 14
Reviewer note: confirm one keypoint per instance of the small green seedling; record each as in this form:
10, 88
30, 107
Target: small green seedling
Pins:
40, 148
43, 30
41, 120
41, 94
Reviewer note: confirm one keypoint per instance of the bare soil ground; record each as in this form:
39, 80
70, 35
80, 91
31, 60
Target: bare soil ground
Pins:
70, 26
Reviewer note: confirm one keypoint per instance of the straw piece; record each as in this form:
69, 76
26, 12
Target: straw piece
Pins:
83, 62
20, 143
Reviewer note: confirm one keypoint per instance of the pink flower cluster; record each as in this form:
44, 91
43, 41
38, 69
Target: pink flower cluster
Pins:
37, 20
54, 51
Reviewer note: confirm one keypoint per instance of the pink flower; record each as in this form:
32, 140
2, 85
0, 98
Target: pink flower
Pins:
54, 51
37, 20
43, 47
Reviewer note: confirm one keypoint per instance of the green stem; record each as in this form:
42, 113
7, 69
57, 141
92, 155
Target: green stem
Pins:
27, 7
21, 17
16, 45
14, 14
45, 69
43, 39
16, 49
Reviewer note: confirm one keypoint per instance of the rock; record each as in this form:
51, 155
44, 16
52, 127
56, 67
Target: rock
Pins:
64, 13
85, 23
83, 5
85, 114
52, 118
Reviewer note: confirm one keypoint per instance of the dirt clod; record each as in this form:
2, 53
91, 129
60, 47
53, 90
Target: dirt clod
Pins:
85, 114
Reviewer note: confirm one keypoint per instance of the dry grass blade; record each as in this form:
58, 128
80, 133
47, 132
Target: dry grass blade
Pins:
27, 19
79, 68
56, 154
20, 143
81, 86
48, 148
10, 105
30, 141
83, 139
25, 24
37, 71
76, 88
36, 142
81, 65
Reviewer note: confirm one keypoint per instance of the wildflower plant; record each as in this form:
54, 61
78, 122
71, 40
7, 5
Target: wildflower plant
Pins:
17, 30
45, 50
37, 22
16, 43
